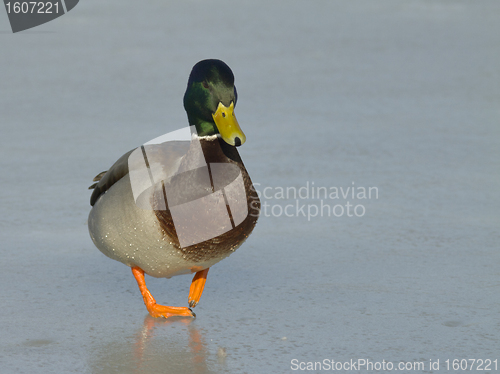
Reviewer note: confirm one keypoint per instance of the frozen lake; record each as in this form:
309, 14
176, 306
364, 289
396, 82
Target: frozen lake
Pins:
402, 97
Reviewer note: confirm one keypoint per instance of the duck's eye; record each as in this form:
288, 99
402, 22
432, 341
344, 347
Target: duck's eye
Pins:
205, 84
223, 115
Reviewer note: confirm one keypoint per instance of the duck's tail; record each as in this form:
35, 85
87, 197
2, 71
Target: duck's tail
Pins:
97, 178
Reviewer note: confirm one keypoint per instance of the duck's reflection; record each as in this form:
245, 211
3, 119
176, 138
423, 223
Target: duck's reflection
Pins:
160, 346
193, 360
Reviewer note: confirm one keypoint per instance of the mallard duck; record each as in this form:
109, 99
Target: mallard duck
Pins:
171, 237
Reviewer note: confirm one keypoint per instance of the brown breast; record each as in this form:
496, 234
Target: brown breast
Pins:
193, 185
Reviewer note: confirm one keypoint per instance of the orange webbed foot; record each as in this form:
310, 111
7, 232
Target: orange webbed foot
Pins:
197, 287
154, 309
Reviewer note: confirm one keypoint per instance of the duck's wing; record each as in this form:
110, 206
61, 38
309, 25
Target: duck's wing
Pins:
169, 155
106, 179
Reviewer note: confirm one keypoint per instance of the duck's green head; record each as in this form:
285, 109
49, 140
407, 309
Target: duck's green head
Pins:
210, 99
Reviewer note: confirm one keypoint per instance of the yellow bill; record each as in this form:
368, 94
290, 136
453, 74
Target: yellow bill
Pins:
227, 125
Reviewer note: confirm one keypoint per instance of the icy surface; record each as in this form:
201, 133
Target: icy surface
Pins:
401, 96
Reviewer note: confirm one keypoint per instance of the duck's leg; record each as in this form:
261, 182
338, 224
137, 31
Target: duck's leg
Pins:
154, 309
197, 286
